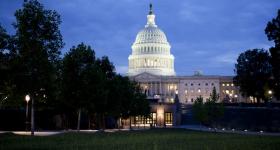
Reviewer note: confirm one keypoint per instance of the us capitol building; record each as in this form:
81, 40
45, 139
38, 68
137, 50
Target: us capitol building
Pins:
151, 64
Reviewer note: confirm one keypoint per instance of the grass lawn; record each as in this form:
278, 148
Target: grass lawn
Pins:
162, 139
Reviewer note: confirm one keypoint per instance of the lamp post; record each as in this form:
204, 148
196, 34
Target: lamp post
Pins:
32, 117
235, 97
27, 99
270, 94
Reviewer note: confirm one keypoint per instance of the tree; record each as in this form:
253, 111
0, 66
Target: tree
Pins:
272, 31
37, 48
38, 43
4, 65
214, 109
199, 111
78, 66
253, 73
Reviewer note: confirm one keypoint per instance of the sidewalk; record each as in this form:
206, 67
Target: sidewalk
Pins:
207, 129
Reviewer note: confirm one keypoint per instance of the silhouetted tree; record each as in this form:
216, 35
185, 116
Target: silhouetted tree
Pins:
38, 42
78, 66
199, 111
253, 73
272, 31
4, 64
214, 109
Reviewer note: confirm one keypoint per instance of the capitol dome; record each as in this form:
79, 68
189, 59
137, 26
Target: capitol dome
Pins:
151, 51
151, 34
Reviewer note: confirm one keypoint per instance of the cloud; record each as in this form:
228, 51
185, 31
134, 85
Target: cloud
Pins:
226, 58
193, 12
122, 69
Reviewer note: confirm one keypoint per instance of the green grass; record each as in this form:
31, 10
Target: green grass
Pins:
161, 139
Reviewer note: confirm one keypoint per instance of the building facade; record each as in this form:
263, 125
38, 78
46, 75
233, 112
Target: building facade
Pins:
151, 64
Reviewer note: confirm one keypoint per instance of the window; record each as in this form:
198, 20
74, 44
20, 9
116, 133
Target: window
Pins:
212, 84
186, 84
232, 84
152, 119
223, 84
168, 118
198, 90
191, 84
206, 84
198, 84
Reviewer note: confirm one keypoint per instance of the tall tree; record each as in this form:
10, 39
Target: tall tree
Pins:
9, 65
214, 109
199, 111
272, 31
78, 66
107, 71
38, 43
4, 65
253, 73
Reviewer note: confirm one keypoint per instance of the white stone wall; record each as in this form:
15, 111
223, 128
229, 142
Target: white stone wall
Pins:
190, 89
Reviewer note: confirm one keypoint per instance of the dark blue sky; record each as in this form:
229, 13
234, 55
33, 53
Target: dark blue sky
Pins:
205, 35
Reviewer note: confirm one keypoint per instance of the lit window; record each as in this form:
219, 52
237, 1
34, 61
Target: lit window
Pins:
186, 91
227, 91
227, 84
223, 84
232, 84
198, 90
168, 118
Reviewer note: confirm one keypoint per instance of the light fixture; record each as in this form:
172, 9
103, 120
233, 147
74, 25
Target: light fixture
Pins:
27, 98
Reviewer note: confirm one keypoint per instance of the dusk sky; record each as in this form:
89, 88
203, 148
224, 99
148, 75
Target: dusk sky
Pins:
205, 35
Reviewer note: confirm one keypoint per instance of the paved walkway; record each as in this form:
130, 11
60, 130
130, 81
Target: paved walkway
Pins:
49, 133
189, 127
207, 129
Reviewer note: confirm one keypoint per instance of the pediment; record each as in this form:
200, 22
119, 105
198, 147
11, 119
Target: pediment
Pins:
146, 76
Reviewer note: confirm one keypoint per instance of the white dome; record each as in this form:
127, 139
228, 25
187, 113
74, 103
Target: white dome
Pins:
151, 34
151, 51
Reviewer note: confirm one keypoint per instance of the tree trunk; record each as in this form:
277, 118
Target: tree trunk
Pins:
79, 119
258, 100
129, 122
89, 122
103, 121
32, 116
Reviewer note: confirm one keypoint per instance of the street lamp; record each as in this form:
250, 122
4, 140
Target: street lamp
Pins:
27, 99
270, 94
